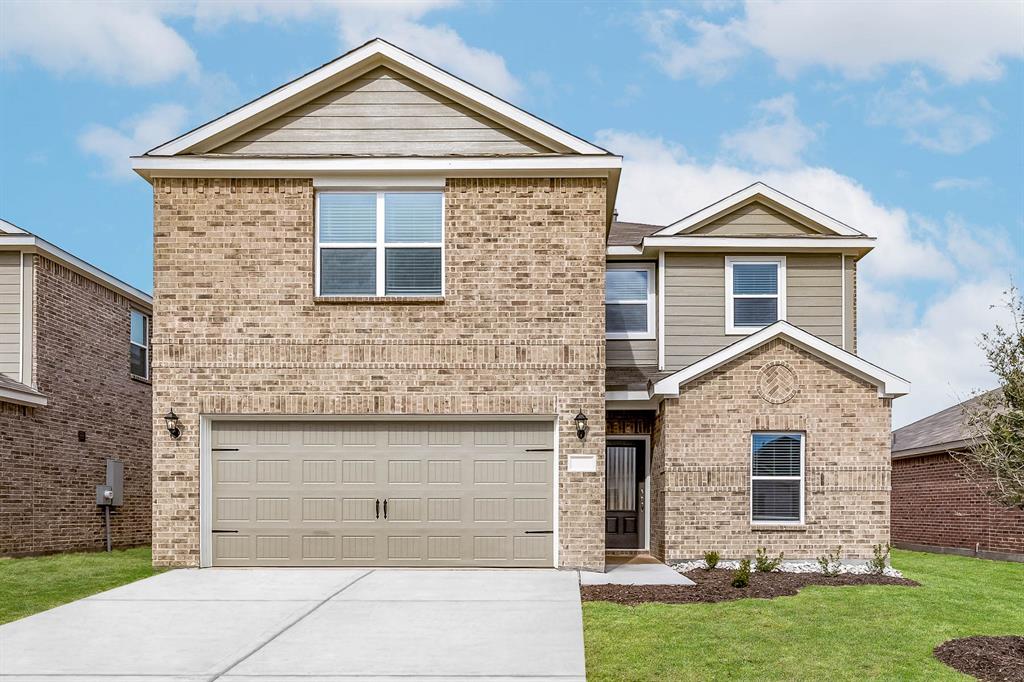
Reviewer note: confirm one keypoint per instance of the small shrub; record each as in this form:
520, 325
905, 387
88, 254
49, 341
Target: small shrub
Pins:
710, 560
741, 578
881, 558
830, 562
765, 565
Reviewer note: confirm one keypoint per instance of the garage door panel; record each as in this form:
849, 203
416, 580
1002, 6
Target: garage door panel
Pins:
307, 493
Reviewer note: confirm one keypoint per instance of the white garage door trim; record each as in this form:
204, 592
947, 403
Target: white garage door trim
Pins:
206, 461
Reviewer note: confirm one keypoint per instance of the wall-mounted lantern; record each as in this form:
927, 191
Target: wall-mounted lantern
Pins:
581, 425
173, 427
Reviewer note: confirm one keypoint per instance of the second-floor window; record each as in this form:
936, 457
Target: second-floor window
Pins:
629, 301
139, 344
755, 292
380, 244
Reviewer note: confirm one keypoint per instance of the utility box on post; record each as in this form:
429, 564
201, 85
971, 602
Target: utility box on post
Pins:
111, 494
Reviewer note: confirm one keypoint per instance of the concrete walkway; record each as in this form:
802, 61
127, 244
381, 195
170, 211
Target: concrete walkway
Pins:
309, 625
638, 570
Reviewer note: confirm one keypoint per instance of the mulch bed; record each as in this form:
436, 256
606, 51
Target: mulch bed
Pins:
992, 659
713, 586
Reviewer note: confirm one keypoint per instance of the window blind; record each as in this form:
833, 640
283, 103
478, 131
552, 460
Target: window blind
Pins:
348, 272
625, 317
776, 477
755, 278
412, 217
412, 272
625, 285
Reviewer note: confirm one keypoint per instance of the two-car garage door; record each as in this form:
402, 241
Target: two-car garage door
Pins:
382, 493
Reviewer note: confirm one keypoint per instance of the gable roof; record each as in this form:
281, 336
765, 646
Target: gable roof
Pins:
14, 238
889, 385
358, 61
939, 432
630, 234
759, 191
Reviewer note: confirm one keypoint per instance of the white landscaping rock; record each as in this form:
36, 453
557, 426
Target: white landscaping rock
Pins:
789, 567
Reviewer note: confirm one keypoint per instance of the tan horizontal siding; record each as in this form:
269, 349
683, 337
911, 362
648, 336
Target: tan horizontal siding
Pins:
695, 302
754, 219
632, 353
381, 114
10, 314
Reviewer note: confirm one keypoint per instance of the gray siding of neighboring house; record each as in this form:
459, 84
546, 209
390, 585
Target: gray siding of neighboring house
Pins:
695, 302
754, 220
381, 114
10, 314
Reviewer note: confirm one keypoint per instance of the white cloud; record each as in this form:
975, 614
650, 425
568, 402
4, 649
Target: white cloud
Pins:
402, 23
963, 41
960, 183
775, 138
934, 345
937, 128
119, 42
709, 57
134, 136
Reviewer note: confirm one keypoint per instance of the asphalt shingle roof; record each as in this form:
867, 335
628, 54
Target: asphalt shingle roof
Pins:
630, 234
945, 426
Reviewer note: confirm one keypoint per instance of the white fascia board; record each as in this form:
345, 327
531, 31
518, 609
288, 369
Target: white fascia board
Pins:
477, 166
30, 243
27, 398
750, 244
758, 189
625, 251
374, 53
626, 395
889, 385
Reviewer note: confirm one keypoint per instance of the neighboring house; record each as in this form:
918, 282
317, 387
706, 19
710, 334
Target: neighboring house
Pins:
74, 392
936, 505
381, 319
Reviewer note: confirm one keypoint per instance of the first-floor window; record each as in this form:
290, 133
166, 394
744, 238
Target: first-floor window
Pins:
379, 243
139, 346
777, 478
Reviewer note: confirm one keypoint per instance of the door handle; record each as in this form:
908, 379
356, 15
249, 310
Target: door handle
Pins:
376, 507
385, 508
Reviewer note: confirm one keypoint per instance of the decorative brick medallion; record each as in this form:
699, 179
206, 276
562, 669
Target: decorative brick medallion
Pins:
777, 382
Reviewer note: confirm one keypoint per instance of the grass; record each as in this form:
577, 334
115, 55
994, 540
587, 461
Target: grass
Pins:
834, 633
35, 584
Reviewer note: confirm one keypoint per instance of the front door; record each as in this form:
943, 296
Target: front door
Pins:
624, 494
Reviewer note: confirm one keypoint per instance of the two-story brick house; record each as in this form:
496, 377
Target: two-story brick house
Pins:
383, 326
74, 392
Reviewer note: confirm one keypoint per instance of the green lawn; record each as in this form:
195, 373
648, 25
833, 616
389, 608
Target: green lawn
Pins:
35, 584
833, 633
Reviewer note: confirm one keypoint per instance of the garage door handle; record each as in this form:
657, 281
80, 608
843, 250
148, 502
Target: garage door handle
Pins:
376, 507
223, 531
385, 508
539, 532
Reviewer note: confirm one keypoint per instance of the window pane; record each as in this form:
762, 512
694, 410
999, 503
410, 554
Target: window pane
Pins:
625, 285
139, 328
348, 272
755, 278
776, 454
412, 216
412, 272
348, 217
775, 500
620, 478
625, 317
754, 312
139, 362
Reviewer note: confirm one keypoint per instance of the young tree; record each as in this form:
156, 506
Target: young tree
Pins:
996, 419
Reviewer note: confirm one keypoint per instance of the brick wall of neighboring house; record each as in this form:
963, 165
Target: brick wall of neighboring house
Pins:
521, 330
701, 467
48, 477
935, 504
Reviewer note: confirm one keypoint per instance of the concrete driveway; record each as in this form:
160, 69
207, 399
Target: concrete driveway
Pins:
309, 625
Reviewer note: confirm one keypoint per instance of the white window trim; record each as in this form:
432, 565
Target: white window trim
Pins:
147, 321
650, 301
801, 477
379, 244
731, 328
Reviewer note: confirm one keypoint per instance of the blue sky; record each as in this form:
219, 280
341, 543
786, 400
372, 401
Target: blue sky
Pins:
901, 119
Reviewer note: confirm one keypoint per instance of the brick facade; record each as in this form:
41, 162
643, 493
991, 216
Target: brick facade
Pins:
700, 485
48, 477
935, 505
520, 331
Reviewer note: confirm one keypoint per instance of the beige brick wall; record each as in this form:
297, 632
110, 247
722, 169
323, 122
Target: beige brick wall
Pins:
521, 329
701, 461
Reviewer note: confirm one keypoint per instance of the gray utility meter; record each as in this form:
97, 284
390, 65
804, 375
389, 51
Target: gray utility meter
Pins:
111, 493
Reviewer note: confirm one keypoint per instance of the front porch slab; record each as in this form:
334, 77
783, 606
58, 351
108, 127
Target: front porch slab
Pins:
636, 571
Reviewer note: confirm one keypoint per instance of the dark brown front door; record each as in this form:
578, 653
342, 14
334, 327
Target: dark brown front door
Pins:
624, 494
